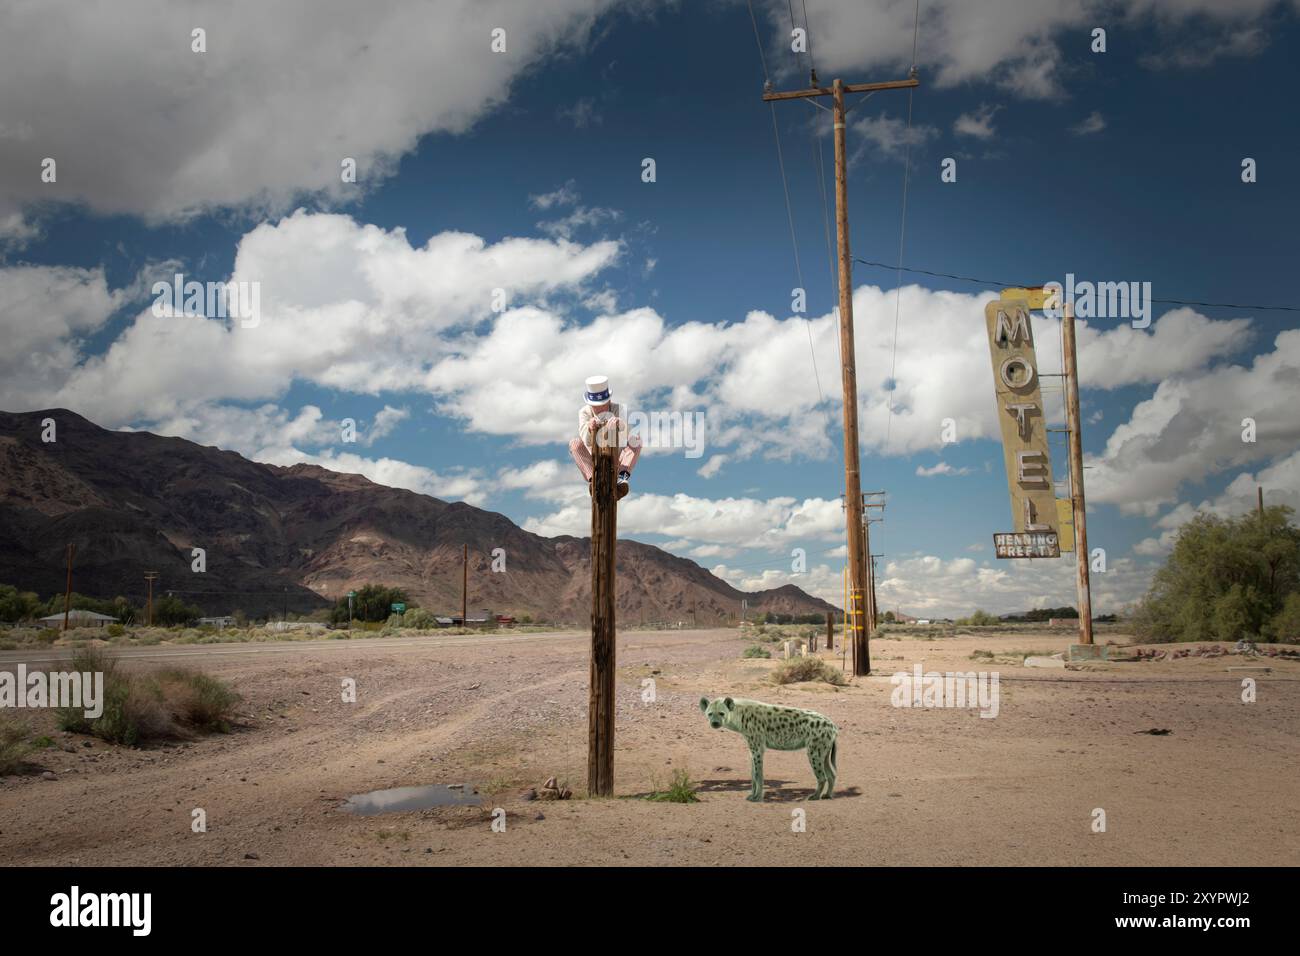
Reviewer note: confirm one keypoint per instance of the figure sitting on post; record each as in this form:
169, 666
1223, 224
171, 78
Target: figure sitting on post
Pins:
598, 412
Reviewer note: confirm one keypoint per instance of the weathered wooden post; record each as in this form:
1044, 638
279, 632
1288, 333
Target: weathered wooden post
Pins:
604, 532
830, 631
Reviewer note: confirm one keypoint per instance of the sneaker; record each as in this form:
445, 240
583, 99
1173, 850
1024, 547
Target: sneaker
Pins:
623, 487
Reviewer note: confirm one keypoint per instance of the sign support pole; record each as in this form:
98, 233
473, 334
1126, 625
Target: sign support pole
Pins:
1072, 416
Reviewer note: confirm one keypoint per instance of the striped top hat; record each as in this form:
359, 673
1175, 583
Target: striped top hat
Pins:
597, 391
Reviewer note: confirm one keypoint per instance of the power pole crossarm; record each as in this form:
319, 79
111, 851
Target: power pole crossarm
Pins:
847, 87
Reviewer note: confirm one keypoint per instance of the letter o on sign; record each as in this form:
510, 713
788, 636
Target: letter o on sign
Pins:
1005, 373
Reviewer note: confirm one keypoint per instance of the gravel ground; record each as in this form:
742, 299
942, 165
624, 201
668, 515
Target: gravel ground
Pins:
916, 786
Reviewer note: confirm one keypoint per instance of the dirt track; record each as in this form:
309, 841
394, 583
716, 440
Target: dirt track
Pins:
916, 786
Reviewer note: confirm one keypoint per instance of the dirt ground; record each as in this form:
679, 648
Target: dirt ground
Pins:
916, 786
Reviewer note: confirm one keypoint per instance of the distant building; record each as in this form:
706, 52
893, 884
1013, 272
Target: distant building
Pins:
216, 621
80, 618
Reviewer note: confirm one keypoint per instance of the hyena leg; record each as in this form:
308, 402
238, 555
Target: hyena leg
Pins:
831, 770
755, 774
817, 754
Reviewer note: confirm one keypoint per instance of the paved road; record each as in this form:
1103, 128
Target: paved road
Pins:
200, 652
54, 655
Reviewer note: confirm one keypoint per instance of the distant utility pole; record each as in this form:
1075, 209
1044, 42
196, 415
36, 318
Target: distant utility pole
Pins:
1077, 502
867, 505
856, 530
875, 607
67, 593
1260, 494
464, 587
151, 577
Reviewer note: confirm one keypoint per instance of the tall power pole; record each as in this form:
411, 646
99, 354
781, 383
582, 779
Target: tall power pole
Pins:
1077, 503
604, 566
858, 584
464, 588
151, 577
67, 593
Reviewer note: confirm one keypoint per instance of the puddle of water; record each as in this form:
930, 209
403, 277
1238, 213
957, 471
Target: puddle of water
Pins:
411, 798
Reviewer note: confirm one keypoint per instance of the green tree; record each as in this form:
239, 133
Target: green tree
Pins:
1284, 626
171, 611
18, 605
1225, 577
373, 602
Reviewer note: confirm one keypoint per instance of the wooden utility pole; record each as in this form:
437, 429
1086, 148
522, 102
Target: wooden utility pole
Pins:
464, 587
604, 535
67, 593
830, 631
1077, 502
856, 531
1259, 489
149, 576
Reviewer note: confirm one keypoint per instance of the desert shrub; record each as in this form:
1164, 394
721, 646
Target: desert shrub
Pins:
47, 635
196, 699
14, 745
755, 651
979, 619
139, 708
680, 790
799, 670
418, 617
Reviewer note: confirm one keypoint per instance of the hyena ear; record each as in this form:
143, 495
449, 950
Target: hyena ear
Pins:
704, 704
729, 703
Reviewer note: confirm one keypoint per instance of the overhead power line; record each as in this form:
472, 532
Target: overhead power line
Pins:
1004, 284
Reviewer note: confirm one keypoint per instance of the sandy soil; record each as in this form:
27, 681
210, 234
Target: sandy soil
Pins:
916, 786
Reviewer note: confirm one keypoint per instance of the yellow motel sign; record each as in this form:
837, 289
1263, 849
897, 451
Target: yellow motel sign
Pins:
1024, 429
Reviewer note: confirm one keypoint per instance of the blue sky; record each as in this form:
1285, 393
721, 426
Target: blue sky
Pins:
522, 171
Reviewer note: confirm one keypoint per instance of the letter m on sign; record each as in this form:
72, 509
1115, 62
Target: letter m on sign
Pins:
1012, 328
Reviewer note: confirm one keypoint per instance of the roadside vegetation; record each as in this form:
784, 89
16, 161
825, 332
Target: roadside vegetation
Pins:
1227, 579
800, 670
139, 708
681, 789
14, 743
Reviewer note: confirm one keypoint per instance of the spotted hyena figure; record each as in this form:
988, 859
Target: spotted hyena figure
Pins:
780, 728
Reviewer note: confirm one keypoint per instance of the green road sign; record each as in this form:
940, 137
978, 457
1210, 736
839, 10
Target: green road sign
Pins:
399, 608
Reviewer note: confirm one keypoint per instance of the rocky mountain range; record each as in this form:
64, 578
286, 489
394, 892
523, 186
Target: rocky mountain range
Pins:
295, 539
